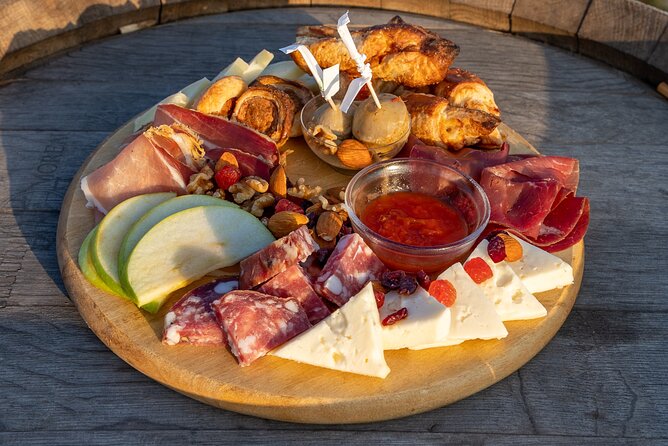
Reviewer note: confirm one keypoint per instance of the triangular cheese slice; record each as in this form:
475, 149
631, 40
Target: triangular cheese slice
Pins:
427, 322
539, 270
473, 316
512, 299
348, 340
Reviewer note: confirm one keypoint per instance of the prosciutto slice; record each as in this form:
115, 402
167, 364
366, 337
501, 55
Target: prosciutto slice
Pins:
471, 161
143, 166
217, 132
535, 198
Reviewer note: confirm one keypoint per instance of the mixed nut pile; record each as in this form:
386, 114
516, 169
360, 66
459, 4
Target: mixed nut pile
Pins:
279, 204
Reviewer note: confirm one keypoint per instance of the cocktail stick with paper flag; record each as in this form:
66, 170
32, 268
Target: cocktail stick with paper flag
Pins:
364, 69
327, 79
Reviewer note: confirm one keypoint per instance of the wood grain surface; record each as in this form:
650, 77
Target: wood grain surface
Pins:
601, 380
285, 390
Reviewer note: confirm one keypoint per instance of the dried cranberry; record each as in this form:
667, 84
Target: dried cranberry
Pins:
496, 249
395, 317
423, 279
380, 298
227, 176
407, 285
391, 280
286, 205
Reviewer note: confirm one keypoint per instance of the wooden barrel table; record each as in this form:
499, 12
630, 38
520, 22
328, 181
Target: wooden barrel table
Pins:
601, 379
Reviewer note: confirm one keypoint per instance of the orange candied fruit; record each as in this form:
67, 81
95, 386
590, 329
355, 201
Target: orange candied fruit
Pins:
478, 270
443, 291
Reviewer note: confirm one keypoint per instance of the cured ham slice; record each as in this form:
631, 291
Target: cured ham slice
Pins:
255, 323
471, 161
144, 166
217, 132
535, 198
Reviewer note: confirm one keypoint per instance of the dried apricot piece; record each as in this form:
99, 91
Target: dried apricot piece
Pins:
512, 247
478, 270
443, 291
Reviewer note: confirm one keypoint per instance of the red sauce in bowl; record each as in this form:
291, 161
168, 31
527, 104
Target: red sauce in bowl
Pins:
415, 219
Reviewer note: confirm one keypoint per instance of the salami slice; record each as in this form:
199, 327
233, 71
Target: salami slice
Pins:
192, 320
351, 265
294, 283
276, 258
254, 323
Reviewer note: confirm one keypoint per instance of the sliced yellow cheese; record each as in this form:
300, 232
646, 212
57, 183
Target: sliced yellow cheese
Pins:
236, 68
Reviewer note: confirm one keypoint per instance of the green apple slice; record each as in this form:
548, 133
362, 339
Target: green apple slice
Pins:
111, 230
186, 246
159, 213
88, 268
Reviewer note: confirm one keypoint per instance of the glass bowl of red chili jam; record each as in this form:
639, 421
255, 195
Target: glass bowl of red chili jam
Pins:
417, 214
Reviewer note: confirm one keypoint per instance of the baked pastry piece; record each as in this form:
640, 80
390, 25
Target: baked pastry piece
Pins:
437, 123
298, 92
268, 110
464, 89
220, 97
396, 51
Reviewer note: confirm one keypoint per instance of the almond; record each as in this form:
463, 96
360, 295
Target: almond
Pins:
283, 223
328, 225
354, 154
226, 159
512, 247
278, 182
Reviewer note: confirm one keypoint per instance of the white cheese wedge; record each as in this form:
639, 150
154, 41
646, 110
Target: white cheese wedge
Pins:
512, 299
236, 68
473, 316
428, 320
541, 271
348, 340
257, 66
183, 98
286, 69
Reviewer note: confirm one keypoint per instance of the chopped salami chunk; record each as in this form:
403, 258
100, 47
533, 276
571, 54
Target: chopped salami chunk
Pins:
294, 283
255, 323
192, 320
351, 265
276, 258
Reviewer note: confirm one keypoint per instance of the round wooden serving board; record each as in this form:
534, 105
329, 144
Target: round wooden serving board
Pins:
285, 390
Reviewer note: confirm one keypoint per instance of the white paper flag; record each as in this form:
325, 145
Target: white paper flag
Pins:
327, 79
364, 69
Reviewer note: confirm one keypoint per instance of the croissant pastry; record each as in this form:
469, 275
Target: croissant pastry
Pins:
436, 122
464, 89
397, 52
298, 92
268, 110
220, 97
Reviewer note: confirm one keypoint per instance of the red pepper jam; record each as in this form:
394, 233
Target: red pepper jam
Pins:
415, 219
